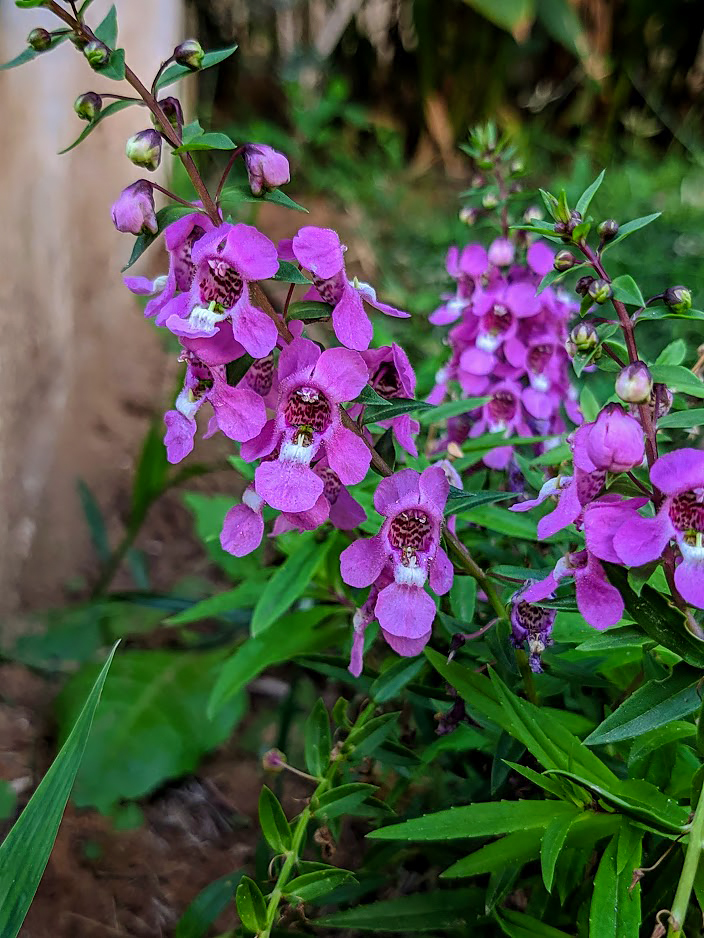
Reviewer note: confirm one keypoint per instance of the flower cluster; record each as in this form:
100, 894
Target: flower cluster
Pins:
507, 344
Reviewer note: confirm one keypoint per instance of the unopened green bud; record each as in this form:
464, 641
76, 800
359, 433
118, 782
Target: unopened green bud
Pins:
517, 167
607, 229
97, 53
39, 39
468, 215
564, 260
583, 284
533, 213
88, 105
600, 291
678, 299
144, 149
634, 383
173, 111
490, 200
190, 54
584, 336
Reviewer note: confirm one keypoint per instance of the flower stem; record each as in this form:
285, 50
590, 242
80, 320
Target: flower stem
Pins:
689, 871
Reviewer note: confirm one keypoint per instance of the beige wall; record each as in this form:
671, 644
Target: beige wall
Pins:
80, 370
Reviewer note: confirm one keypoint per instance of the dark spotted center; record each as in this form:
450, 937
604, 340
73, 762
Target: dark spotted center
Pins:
502, 406
307, 408
220, 283
497, 321
260, 376
410, 529
535, 620
539, 358
589, 484
330, 290
183, 265
331, 483
386, 381
687, 514
200, 378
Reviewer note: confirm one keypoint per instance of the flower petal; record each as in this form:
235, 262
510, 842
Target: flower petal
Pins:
434, 488
406, 647
299, 355
640, 540
598, 601
348, 456
178, 439
441, 573
242, 531
679, 471
351, 324
362, 562
396, 488
288, 486
689, 580
405, 611
319, 250
342, 373
253, 329
240, 414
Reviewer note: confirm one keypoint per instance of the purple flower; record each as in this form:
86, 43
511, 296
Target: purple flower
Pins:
133, 212
407, 546
335, 504
598, 601
226, 261
467, 268
532, 625
679, 476
239, 414
391, 376
311, 388
243, 528
319, 250
179, 238
501, 252
266, 168
615, 440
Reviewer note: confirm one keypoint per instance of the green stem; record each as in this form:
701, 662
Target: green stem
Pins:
689, 871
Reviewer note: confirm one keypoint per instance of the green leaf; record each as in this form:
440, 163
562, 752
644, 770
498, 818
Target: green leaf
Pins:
588, 404
29, 54
289, 273
114, 108
243, 596
673, 354
96, 522
106, 30
151, 724
658, 619
207, 907
654, 313
273, 823
239, 194
206, 141
651, 706
294, 634
627, 290
585, 199
176, 72
614, 910
164, 217
8, 800
313, 885
366, 738
25, 851
290, 581
344, 799
377, 408
251, 907
629, 228
520, 925
658, 737
318, 741
461, 502
515, 16
115, 69
394, 679
428, 911
682, 419
151, 475
553, 841
477, 820
309, 311
463, 597
678, 378
451, 409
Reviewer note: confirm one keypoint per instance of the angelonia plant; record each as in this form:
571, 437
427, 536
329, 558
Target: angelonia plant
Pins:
548, 400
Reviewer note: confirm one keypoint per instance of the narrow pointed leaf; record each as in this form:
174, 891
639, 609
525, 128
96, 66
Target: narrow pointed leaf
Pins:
175, 72
272, 820
318, 741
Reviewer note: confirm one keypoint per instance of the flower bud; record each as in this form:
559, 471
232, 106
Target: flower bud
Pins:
266, 168
190, 54
678, 299
274, 760
615, 440
133, 212
490, 200
583, 284
39, 39
78, 40
173, 112
634, 383
485, 161
501, 252
517, 167
144, 149
533, 213
564, 260
607, 229
88, 105
468, 215
97, 53
600, 291
584, 336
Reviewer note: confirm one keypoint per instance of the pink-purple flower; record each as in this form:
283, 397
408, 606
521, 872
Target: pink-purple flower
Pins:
312, 386
402, 557
319, 250
531, 625
391, 376
615, 441
266, 167
133, 212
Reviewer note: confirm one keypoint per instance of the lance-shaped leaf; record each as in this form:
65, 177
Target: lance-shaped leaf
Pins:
174, 72
272, 820
378, 408
615, 908
239, 194
29, 54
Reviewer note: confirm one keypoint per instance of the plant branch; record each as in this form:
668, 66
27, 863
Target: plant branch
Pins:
689, 871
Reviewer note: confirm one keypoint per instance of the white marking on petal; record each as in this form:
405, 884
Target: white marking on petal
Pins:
252, 500
204, 319
295, 452
693, 553
187, 404
540, 382
488, 342
410, 576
